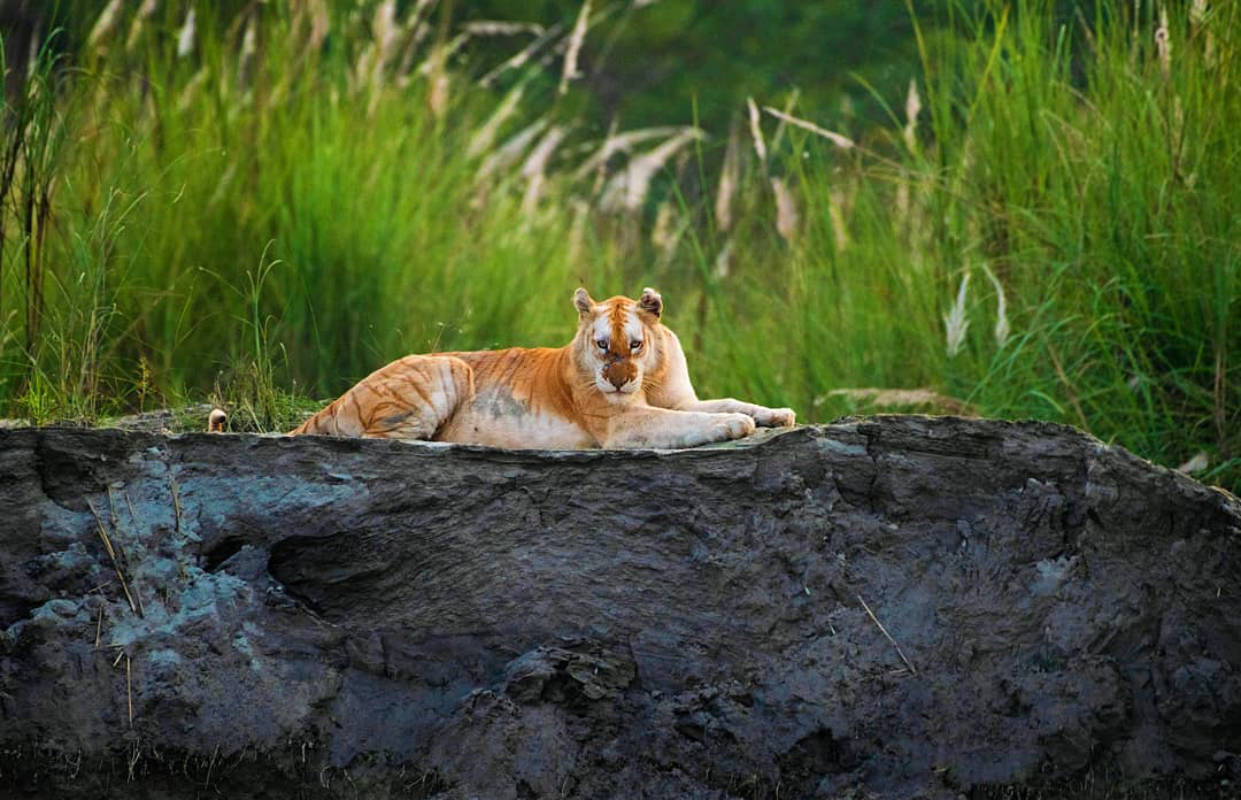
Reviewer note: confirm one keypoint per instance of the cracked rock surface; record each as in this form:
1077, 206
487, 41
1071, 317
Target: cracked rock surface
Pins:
310, 617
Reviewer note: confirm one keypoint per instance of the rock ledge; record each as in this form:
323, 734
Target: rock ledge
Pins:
306, 617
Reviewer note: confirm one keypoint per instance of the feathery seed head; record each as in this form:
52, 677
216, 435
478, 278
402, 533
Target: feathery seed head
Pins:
185, 37
497, 27
485, 136
728, 183
913, 105
534, 170
575, 47
1163, 44
135, 28
840, 140
104, 24
1198, 13
627, 189
955, 322
724, 260
320, 23
786, 209
756, 131
1001, 309
615, 143
836, 213
511, 150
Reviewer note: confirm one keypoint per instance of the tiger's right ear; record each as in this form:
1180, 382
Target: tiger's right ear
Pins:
583, 303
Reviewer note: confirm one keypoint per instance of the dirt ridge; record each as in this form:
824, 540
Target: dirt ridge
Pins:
898, 606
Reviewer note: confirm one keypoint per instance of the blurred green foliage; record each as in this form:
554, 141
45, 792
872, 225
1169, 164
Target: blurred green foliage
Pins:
663, 63
654, 63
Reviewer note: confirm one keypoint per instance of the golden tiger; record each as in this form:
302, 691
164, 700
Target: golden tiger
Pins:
621, 382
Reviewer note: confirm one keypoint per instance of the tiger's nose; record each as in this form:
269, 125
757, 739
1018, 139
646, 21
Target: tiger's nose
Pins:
619, 374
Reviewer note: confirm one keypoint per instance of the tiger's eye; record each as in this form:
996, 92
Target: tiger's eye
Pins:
602, 344
635, 344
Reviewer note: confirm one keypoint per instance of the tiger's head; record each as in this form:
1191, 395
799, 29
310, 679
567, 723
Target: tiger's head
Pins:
618, 341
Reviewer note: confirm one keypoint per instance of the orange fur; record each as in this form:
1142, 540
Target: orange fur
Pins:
621, 382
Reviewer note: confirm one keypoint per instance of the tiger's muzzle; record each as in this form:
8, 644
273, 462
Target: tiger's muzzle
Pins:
622, 375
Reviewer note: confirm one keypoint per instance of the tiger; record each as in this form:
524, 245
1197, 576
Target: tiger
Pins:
622, 382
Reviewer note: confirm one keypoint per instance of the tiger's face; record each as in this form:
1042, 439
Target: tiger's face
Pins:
617, 341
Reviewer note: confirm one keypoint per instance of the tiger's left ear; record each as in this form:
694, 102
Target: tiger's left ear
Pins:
650, 301
582, 302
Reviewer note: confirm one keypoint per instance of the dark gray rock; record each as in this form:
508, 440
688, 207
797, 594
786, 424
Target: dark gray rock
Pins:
322, 617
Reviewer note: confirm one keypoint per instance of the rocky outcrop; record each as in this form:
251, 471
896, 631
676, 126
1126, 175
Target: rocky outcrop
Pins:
898, 606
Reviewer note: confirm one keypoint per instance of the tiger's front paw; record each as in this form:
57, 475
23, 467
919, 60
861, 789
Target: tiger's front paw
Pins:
775, 417
731, 426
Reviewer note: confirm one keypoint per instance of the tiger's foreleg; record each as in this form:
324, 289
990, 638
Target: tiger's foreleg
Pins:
766, 417
666, 428
411, 398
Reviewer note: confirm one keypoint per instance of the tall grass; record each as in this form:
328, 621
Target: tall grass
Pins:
1085, 176
1046, 227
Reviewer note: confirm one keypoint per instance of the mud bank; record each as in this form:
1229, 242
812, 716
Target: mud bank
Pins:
895, 606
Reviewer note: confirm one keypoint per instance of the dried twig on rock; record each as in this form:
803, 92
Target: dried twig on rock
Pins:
116, 564
887, 635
